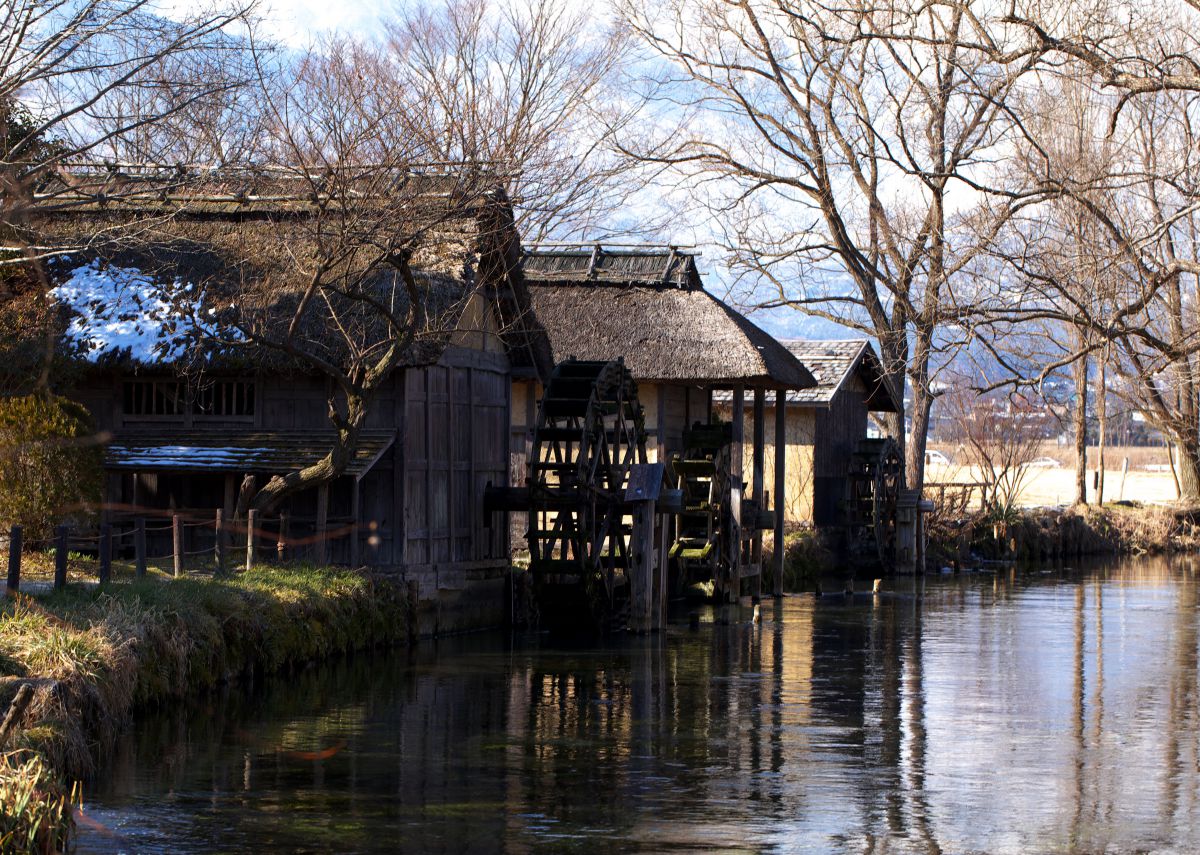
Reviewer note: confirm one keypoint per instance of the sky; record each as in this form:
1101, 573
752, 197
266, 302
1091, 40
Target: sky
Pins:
297, 23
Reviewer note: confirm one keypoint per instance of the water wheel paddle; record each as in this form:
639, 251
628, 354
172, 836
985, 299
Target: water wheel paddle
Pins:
875, 479
590, 431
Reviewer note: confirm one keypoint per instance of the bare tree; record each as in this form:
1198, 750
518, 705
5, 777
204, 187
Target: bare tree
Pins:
1126, 277
1000, 437
526, 84
89, 73
847, 152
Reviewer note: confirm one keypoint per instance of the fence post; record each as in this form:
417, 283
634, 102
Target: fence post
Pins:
220, 532
139, 546
60, 557
14, 559
251, 525
105, 553
177, 540
281, 544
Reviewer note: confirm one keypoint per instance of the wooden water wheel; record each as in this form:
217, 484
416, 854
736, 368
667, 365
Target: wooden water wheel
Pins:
705, 540
590, 431
875, 479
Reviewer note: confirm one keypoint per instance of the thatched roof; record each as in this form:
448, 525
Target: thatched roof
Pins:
252, 257
649, 307
832, 363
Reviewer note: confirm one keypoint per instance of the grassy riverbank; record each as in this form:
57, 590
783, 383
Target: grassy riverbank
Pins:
1048, 534
94, 655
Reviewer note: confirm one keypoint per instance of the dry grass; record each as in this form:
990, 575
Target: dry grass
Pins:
93, 655
35, 809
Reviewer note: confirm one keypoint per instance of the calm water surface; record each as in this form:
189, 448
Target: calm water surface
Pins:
1017, 712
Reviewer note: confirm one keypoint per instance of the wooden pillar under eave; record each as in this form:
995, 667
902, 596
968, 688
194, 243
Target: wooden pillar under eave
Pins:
355, 511
760, 397
780, 485
735, 493
322, 523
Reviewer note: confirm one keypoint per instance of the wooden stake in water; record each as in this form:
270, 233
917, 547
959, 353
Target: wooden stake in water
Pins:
14, 559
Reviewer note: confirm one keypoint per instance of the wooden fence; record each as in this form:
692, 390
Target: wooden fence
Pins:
234, 543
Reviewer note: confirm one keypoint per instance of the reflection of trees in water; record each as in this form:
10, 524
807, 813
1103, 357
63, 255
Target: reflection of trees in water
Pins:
829, 720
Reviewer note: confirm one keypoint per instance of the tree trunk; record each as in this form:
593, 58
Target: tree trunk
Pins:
323, 471
1080, 370
1102, 425
915, 451
1187, 461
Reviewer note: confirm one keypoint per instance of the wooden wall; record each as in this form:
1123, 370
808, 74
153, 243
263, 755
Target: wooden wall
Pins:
456, 440
839, 429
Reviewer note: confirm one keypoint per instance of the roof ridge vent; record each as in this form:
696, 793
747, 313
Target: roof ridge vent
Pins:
594, 260
666, 277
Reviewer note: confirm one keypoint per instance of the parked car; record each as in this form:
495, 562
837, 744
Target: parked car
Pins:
937, 458
1044, 463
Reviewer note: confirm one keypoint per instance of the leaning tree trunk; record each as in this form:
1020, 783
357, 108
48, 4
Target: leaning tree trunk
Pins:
323, 471
1102, 426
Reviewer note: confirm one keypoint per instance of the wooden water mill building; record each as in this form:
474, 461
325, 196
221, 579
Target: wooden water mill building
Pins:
826, 424
647, 307
187, 425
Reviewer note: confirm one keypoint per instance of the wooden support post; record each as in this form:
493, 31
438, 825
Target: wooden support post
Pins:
60, 557
281, 543
780, 484
645, 482
736, 470
14, 560
251, 535
322, 523
642, 610
177, 544
219, 531
355, 504
760, 496
105, 553
139, 547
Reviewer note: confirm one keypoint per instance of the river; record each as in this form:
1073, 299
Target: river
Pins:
1052, 710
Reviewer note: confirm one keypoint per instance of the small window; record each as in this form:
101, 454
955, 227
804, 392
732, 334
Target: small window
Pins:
224, 399
153, 398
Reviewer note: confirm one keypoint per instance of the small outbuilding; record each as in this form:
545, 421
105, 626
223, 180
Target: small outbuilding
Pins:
827, 425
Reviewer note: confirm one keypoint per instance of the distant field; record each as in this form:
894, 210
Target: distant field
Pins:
1149, 478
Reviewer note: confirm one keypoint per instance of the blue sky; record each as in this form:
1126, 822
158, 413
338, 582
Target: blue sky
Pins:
299, 22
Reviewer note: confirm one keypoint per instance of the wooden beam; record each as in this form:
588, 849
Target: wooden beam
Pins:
322, 523
780, 484
355, 510
736, 471
759, 455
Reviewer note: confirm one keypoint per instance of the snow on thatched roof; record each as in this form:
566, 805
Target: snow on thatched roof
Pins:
167, 268
649, 306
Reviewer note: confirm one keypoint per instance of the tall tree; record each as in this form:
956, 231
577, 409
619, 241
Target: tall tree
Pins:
846, 151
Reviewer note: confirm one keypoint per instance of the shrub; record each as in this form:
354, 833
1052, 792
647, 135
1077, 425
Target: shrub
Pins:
50, 463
